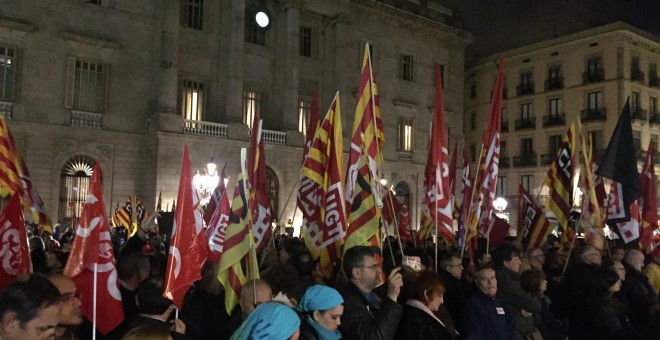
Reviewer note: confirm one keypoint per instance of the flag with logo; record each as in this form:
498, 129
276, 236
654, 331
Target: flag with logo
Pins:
217, 229
188, 246
91, 252
619, 164
322, 197
648, 199
533, 226
483, 195
560, 179
14, 252
259, 202
628, 230
305, 199
592, 216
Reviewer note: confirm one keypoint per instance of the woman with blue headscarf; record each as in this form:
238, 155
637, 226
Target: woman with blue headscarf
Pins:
322, 308
269, 321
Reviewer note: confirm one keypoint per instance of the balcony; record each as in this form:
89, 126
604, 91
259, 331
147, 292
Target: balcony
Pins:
7, 109
593, 76
594, 114
547, 159
639, 115
525, 160
554, 119
654, 81
404, 156
525, 123
84, 119
636, 75
201, 128
524, 89
505, 162
554, 83
505, 126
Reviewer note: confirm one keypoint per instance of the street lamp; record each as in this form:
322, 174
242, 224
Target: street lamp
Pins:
206, 182
500, 205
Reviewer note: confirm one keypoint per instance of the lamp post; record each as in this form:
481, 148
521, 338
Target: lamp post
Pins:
206, 182
500, 205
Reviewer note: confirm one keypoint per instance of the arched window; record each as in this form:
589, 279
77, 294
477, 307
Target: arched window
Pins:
74, 183
273, 192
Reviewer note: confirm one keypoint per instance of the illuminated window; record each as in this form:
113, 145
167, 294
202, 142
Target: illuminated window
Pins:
191, 100
251, 106
74, 182
304, 110
406, 135
7, 72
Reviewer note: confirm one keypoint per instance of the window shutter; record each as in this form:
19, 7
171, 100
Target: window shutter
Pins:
70, 82
106, 87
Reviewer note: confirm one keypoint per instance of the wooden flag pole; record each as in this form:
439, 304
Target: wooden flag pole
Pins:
94, 300
396, 223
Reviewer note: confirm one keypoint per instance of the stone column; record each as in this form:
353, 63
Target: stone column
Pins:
232, 53
166, 117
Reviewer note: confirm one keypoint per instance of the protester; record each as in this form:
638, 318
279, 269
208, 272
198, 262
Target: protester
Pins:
148, 333
518, 304
485, 317
451, 270
535, 258
29, 309
418, 320
579, 277
617, 253
652, 270
322, 309
269, 321
605, 318
254, 289
639, 293
70, 314
204, 308
534, 282
366, 315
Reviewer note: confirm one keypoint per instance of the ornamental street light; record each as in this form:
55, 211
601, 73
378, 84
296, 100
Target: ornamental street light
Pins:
206, 182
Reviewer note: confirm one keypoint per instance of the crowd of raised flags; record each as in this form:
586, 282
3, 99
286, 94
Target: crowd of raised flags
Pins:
340, 211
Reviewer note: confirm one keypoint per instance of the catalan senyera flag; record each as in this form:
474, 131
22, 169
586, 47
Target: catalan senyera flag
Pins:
322, 196
367, 130
648, 199
534, 227
485, 182
364, 216
592, 214
131, 215
15, 254
15, 178
560, 179
237, 244
259, 202
188, 246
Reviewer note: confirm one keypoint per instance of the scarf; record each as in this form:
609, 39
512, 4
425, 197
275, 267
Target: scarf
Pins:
323, 333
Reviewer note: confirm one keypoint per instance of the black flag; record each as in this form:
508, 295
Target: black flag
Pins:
620, 161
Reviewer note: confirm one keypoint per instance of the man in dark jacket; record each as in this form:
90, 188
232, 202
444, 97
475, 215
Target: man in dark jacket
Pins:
518, 304
451, 269
484, 315
579, 278
367, 316
639, 293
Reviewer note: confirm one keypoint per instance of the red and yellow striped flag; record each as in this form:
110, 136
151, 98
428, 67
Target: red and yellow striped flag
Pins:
560, 179
322, 195
238, 243
533, 226
592, 213
367, 130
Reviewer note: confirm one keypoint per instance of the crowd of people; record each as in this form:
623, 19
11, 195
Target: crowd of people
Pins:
500, 293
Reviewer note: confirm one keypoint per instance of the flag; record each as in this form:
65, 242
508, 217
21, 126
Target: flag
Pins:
456, 209
131, 215
188, 246
215, 197
367, 131
391, 207
238, 243
485, 182
498, 230
14, 252
629, 230
648, 199
404, 224
322, 197
620, 165
312, 126
560, 179
592, 216
306, 200
534, 227
92, 251
15, 178
466, 194
217, 229
259, 202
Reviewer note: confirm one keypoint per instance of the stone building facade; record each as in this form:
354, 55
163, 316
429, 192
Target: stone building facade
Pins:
548, 85
129, 83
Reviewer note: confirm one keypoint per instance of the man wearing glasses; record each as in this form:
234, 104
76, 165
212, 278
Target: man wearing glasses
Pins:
366, 315
70, 314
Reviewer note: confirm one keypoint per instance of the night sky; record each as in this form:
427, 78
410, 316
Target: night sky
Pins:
499, 25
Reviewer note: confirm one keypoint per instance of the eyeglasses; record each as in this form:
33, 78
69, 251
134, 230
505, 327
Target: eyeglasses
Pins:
70, 297
372, 267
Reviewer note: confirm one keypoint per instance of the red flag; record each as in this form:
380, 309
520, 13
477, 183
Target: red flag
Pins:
481, 206
466, 194
499, 228
390, 206
533, 226
217, 229
404, 224
215, 197
259, 202
92, 251
188, 248
14, 252
438, 191
648, 200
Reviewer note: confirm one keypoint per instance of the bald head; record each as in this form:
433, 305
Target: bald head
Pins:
635, 259
71, 314
263, 294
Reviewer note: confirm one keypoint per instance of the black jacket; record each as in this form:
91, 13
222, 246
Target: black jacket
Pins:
454, 298
417, 324
642, 299
606, 320
366, 322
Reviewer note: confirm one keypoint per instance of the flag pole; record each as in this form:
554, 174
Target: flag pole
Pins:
379, 205
436, 229
469, 215
96, 273
396, 223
